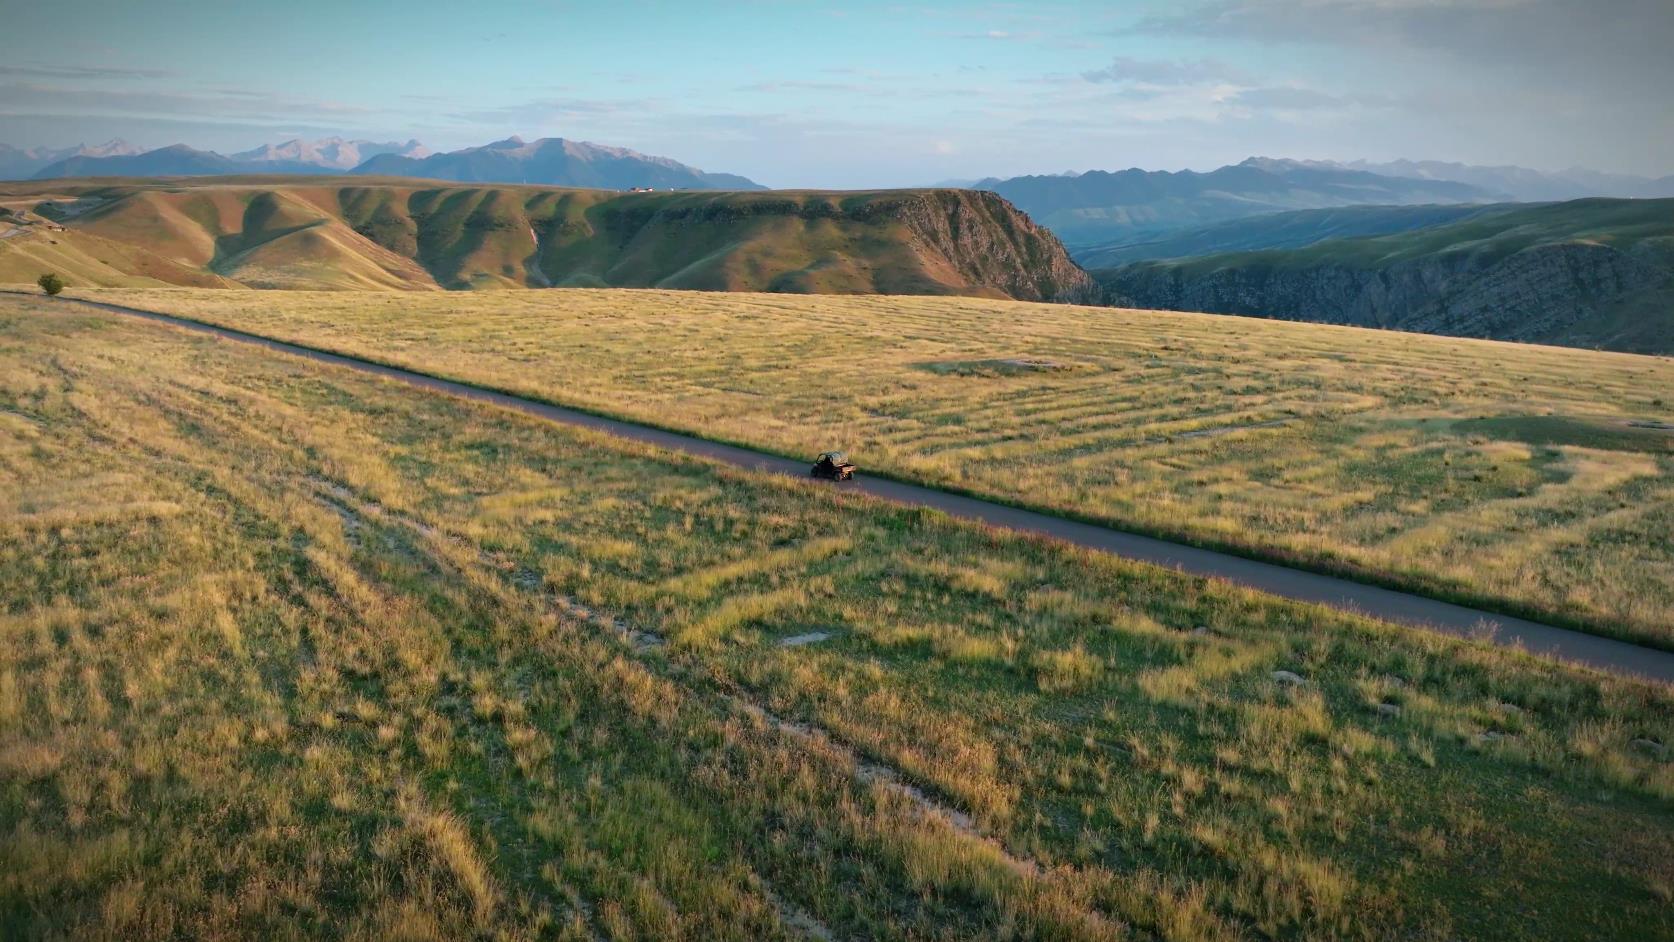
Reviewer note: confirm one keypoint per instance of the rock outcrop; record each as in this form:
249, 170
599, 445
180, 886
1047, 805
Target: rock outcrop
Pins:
991, 243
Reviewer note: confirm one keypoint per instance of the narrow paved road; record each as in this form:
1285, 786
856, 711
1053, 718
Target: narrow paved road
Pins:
1617, 657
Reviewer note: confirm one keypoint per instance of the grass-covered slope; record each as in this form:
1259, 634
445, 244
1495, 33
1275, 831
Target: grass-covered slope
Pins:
82, 258
405, 234
1353, 450
1594, 272
291, 652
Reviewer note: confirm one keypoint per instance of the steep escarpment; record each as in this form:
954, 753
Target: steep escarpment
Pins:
1595, 273
361, 233
889, 242
988, 239
1577, 292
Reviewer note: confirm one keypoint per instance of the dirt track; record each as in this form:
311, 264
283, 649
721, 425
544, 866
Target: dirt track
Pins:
1617, 657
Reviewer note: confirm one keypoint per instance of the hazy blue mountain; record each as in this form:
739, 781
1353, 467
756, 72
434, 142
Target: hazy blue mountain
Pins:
557, 162
331, 153
174, 161
1100, 207
20, 164
550, 161
1519, 183
23, 163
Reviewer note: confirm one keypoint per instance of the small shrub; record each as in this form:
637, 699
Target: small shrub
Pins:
50, 283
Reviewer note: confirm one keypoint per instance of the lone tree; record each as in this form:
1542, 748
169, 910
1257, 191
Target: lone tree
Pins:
50, 283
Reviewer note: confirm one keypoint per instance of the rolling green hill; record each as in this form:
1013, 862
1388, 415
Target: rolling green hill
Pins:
1593, 273
346, 233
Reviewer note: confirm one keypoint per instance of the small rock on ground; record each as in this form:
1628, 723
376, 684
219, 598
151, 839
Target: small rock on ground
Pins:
1650, 746
1389, 709
1289, 677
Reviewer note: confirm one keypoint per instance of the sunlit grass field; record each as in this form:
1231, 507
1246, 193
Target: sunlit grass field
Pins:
1500, 474
287, 651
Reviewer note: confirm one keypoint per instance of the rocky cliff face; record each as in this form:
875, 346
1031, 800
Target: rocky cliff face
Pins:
1546, 291
992, 243
909, 241
1578, 293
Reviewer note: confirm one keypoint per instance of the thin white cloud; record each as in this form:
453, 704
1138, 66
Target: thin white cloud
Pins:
1161, 71
81, 72
1302, 98
1593, 41
218, 107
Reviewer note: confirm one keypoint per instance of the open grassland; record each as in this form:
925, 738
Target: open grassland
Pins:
1501, 474
291, 652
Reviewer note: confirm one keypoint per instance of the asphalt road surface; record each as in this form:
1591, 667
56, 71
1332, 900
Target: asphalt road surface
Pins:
1617, 657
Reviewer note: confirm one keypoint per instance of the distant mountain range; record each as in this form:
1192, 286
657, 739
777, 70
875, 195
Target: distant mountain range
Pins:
21, 164
121, 159
1593, 272
332, 153
1099, 207
549, 161
175, 161
1517, 183
557, 162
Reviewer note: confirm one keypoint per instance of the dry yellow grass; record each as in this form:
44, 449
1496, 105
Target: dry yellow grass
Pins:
1356, 450
291, 652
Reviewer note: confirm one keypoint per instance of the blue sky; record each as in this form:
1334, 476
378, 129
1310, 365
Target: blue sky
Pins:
866, 93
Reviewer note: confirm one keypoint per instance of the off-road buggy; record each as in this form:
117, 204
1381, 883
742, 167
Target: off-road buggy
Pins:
833, 466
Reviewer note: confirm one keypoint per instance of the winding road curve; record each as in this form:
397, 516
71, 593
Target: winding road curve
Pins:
1605, 654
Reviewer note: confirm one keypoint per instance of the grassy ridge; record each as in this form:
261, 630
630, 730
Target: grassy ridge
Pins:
1290, 230
293, 652
1490, 236
356, 233
1356, 450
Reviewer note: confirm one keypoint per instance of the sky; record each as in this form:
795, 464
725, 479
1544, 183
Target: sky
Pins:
859, 94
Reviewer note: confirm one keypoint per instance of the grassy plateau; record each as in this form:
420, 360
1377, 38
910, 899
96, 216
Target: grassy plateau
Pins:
1531, 479
292, 652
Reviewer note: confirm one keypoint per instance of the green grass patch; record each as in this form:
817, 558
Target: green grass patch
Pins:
999, 366
1557, 430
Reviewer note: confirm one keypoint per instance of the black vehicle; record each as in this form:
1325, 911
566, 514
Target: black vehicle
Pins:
833, 466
